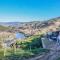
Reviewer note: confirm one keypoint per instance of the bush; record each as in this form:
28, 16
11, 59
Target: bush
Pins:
39, 50
33, 42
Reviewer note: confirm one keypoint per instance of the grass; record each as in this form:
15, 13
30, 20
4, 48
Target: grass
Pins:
1, 52
21, 54
40, 50
4, 28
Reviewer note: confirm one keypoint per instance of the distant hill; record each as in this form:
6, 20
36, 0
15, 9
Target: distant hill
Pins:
4, 28
42, 26
53, 23
33, 23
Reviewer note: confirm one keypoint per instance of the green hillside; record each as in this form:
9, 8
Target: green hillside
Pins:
2, 28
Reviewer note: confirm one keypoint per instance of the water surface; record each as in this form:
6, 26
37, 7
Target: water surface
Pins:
20, 35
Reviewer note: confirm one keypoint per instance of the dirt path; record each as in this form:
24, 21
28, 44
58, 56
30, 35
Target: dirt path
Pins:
52, 55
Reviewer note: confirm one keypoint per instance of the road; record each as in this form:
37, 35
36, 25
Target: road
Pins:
52, 55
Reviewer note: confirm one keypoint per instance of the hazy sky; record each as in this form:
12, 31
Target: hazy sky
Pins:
28, 10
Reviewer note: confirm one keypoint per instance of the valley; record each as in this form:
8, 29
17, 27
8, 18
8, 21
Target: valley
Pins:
22, 40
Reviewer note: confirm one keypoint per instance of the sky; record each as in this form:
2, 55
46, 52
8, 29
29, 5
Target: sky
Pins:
28, 10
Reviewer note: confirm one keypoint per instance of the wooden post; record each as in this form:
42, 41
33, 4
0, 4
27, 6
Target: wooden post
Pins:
4, 47
14, 48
